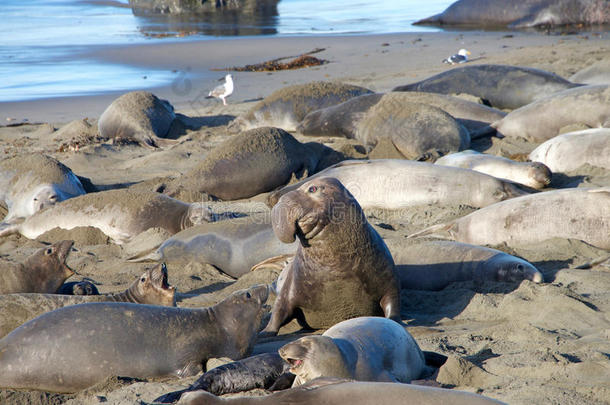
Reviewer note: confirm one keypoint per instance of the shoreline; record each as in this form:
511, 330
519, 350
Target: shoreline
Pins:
379, 62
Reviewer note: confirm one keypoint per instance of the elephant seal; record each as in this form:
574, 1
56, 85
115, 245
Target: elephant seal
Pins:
231, 246
433, 265
397, 183
543, 119
138, 116
253, 162
343, 119
342, 267
121, 214
414, 128
130, 340
366, 349
597, 73
336, 391
522, 14
500, 86
582, 214
286, 107
78, 288
43, 272
531, 174
32, 182
150, 288
260, 371
567, 152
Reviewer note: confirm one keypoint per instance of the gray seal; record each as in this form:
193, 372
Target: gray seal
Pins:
342, 268
32, 182
286, 107
130, 340
336, 391
150, 288
597, 73
433, 265
121, 214
365, 349
399, 183
531, 174
414, 128
582, 214
43, 272
500, 86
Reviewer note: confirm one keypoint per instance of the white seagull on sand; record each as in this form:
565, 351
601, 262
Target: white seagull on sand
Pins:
460, 57
224, 90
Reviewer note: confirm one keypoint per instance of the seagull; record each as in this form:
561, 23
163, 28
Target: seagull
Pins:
224, 90
460, 57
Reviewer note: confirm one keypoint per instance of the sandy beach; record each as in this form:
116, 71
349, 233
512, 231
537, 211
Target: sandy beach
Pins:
522, 344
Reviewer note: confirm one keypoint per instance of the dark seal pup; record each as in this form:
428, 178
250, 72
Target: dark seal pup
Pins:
342, 268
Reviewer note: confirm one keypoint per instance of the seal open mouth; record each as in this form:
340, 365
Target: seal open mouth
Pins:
63, 251
295, 364
159, 277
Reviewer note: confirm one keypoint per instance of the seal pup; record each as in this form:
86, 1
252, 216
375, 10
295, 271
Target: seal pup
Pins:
365, 349
223, 91
500, 86
151, 288
343, 119
250, 163
399, 183
433, 265
121, 214
32, 182
531, 174
130, 340
43, 272
543, 119
342, 268
260, 371
567, 152
286, 107
337, 391
78, 288
522, 14
582, 214
138, 116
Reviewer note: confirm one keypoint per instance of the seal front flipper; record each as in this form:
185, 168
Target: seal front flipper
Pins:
441, 231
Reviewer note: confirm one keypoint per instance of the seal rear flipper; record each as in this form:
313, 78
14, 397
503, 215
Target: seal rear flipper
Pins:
441, 231
8, 228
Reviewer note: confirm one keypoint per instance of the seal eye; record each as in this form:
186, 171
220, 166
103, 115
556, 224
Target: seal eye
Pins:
248, 295
312, 189
53, 198
49, 251
143, 279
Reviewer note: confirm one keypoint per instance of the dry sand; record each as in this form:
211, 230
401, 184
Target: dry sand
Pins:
522, 344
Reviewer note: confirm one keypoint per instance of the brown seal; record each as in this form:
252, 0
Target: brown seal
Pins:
342, 268
43, 272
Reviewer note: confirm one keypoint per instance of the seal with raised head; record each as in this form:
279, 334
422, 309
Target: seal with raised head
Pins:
574, 213
32, 182
587, 106
121, 214
433, 265
342, 268
286, 107
414, 128
500, 86
569, 151
130, 340
399, 183
521, 14
365, 349
151, 288
531, 174
138, 116
250, 163
43, 272
336, 391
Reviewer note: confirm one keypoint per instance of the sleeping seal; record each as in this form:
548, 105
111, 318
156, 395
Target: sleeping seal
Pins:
500, 86
130, 340
531, 174
286, 107
342, 267
570, 213
78, 288
32, 182
365, 349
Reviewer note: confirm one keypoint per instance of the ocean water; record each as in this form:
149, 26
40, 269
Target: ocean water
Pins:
41, 39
